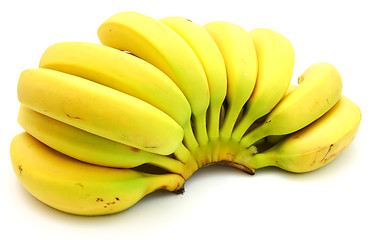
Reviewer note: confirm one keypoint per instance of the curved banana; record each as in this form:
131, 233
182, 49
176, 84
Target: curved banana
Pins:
159, 45
213, 64
80, 188
237, 48
315, 145
320, 87
88, 147
99, 110
275, 67
121, 71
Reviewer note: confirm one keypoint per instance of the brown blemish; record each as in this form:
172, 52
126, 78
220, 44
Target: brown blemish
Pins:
99, 200
323, 160
135, 149
72, 116
313, 163
117, 199
80, 185
150, 146
20, 169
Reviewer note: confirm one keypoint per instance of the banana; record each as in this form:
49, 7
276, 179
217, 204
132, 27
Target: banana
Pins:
320, 87
99, 110
121, 71
80, 188
91, 148
159, 45
212, 61
315, 145
237, 48
275, 67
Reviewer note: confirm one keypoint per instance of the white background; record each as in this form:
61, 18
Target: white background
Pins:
342, 200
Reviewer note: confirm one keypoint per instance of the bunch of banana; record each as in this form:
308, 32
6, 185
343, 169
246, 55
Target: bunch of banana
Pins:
106, 124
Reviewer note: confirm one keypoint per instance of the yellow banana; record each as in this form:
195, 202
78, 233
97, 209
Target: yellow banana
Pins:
320, 87
275, 67
80, 188
120, 71
159, 45
213, 64
99, 110
236, 46
315, 145
91, 148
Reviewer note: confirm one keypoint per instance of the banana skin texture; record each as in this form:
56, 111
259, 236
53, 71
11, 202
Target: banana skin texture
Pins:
107, 124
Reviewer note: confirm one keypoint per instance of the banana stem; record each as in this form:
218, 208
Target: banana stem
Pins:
256, 161
190, 164
214, 115
182, 153
254, 136
229, 122
189, 138
241, 128
201, 129
261, 160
